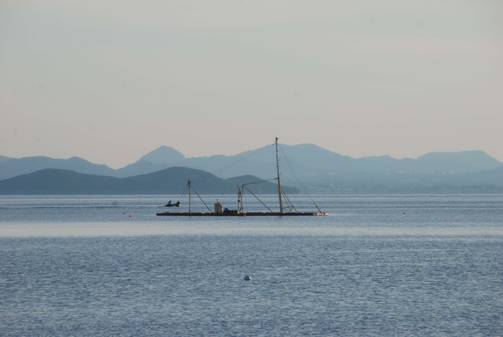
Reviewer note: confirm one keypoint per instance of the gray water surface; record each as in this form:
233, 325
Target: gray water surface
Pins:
379, 265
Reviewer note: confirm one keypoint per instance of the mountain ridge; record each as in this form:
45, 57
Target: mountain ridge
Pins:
163, 155
169, 181
309, 163
17, 166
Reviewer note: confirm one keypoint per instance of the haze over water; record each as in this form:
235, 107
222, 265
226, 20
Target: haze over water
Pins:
378, 265
109, 81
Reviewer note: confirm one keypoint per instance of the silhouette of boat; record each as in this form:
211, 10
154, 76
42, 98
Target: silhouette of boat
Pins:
171, 204
240, 211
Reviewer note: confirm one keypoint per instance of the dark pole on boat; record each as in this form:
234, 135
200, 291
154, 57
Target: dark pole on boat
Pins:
279, 181
188, 185
240, 198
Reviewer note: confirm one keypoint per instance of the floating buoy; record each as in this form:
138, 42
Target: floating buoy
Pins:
247, 278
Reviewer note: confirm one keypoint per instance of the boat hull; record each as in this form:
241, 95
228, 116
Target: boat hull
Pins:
241, 214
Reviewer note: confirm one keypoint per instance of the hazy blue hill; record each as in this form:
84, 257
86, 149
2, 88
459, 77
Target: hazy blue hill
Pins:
309, 160
430, 163
383, 164
168, 181
490, 181
18, 166
259, 162
315, 167
139, 167
174, 180
159, 159
258, 186
164, 155
456, 162
482, 178
58, 181
304, 159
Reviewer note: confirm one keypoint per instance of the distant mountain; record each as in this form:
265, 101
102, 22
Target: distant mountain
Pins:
169, 181
139, 167
303, 159
259, 186
17, 166
57, 181
307, 160
161, 158
313, 167
163, 155
317, 168
455, 162
482, 178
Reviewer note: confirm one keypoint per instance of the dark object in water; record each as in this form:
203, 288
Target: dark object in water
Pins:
247, 278
170, 204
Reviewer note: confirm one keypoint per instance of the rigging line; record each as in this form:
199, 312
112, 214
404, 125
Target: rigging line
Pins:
256, 197
287, 205
288, 202
291, 203
201, 200
298, 180
184, 192
292, 206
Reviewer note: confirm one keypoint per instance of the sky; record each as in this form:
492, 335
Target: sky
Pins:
111, 80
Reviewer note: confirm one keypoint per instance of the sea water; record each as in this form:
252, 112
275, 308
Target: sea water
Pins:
377, 265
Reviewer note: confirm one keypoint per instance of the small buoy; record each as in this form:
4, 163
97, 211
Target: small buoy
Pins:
247, 278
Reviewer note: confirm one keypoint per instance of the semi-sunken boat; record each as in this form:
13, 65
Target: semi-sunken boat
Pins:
218, 210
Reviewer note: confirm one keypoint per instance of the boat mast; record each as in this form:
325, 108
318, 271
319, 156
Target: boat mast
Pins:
279, 181
240, 199
188, 185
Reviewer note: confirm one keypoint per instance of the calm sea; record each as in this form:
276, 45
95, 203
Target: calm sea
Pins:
378, 265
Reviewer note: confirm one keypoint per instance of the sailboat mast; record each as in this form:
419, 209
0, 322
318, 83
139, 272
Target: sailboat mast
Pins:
190, 197
279, 180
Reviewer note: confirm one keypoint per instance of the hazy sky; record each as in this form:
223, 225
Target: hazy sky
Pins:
109, 80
